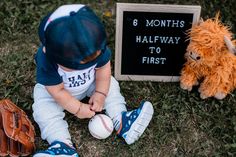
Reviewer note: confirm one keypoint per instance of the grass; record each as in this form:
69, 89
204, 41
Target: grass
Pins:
183, 124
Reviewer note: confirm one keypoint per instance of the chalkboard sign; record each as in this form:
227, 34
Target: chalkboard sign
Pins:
151, 40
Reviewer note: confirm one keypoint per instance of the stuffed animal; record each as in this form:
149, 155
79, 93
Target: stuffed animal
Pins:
211, 60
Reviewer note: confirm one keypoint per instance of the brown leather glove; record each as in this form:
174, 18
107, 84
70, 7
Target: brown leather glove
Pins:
16, 131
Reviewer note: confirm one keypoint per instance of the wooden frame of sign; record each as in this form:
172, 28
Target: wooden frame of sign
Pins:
151, 40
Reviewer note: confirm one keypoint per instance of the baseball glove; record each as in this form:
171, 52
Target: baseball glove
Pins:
16, 131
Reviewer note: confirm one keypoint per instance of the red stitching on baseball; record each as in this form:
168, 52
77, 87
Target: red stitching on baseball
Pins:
103, 122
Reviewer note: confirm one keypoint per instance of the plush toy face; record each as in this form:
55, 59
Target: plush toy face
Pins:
198, 54
206, 42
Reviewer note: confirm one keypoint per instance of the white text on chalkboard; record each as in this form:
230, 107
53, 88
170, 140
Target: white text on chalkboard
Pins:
165, 23
153, 60
155, 39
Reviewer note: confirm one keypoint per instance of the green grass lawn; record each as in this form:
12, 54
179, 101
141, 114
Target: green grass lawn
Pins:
183, 124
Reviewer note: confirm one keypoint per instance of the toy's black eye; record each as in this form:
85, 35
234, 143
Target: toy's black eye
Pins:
198, 58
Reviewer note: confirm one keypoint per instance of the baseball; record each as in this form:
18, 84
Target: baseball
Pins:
100, 126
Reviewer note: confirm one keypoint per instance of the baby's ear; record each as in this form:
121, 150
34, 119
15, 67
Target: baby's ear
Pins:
44, 49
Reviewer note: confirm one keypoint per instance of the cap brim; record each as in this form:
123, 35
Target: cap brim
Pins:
41, 28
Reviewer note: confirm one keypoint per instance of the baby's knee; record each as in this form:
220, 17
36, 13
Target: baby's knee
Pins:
44, 111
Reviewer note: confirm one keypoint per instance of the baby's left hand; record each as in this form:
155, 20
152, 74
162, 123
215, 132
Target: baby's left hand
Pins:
97, 101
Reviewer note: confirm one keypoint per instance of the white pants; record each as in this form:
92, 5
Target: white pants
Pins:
50, 116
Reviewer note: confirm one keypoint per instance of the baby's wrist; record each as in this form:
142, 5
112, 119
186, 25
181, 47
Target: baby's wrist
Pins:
78, 110
102, 93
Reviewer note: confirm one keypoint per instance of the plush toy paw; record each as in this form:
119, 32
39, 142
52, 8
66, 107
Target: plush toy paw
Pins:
186, 87
203, 96
220, 95
203, 93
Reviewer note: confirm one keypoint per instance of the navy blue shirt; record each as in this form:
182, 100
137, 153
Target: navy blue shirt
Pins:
47, 70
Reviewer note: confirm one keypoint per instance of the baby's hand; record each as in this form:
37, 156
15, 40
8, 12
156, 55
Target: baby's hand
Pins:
85, 111
97, 101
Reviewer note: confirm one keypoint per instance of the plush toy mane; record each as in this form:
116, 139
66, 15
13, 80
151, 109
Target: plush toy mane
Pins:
210, 34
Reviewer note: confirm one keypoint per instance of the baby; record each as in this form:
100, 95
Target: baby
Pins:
73, 62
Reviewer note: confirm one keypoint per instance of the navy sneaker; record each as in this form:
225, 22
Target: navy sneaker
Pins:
58, 149
133, 123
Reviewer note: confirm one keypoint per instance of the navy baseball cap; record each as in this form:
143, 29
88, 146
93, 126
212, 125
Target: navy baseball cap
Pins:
71, 33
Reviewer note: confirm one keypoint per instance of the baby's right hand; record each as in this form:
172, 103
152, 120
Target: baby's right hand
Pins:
85, 111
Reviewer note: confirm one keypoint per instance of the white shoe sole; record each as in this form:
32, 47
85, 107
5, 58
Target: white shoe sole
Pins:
48, 155
140, 124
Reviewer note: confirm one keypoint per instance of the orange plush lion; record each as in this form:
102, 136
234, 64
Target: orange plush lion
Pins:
211, 60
